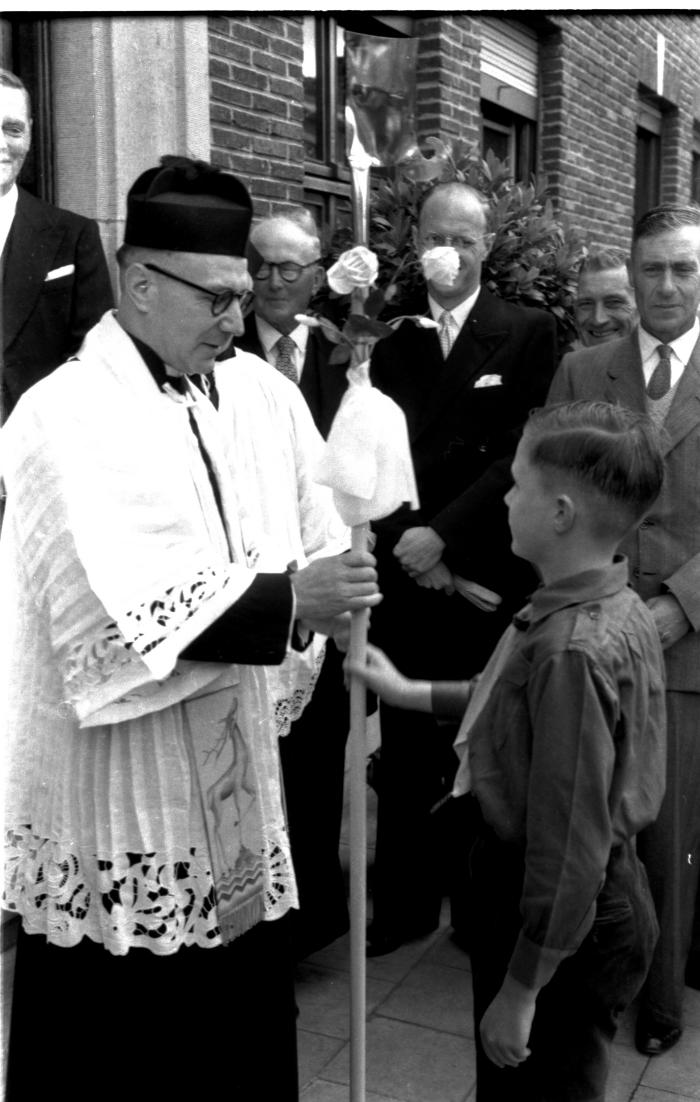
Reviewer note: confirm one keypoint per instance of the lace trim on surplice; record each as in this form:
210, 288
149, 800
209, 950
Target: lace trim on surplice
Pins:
125, 901
94, 661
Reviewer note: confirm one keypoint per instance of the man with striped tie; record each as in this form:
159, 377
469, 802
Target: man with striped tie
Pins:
657, 367
466, 390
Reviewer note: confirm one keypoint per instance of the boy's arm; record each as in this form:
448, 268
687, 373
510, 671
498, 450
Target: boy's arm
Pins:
444, 698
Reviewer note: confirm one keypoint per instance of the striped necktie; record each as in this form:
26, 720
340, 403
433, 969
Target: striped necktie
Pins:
660, 380
284, 362
446, 332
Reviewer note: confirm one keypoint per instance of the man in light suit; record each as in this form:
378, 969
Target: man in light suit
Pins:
287, 274
55, 282
658, 368
466, 391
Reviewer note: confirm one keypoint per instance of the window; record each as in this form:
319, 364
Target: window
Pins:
327, 181
509, 62
647, 190
511, 138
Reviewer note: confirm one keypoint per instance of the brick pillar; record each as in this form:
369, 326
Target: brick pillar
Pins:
448, 84
257, 97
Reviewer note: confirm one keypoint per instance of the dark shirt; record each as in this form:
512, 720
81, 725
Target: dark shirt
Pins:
568, 754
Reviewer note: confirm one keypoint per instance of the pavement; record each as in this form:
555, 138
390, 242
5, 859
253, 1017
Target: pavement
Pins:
419, 1033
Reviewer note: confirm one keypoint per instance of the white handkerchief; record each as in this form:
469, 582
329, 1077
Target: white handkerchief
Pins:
67, 269
489, 380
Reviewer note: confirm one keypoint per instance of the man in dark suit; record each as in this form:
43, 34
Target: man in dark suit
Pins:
55, 282
313, 754
466, 390
657, 368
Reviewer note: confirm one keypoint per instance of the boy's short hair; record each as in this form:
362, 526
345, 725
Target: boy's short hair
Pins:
608, 450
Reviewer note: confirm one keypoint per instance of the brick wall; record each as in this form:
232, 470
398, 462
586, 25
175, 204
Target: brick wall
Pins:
257, 104
447, 86
593, 68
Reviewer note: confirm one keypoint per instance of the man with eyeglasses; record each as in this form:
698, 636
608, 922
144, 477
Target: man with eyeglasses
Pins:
170, 570
466, 389
287, 273
288, 276
55, 282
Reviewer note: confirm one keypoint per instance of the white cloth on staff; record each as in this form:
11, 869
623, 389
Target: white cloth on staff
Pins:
113, 558
367, 458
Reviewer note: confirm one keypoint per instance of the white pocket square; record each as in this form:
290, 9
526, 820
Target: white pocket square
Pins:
489, 380
67, 269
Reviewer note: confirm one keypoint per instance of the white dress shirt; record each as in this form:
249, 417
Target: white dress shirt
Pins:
8, 206
460, 313
681, 351
269, 336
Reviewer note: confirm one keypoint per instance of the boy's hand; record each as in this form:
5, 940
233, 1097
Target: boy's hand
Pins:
505, 1027
381, 676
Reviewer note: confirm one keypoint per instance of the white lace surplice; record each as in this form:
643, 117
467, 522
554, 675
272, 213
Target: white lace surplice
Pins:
113, 558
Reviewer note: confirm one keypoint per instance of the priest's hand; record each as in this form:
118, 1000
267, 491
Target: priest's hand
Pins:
328, 587
419, 550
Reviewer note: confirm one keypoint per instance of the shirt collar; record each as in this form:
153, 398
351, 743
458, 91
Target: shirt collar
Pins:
269, 336
589, 585
682, 346
460, 313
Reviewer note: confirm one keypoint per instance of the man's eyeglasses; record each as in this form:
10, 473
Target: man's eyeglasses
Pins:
287, 270
437, 240
220, 300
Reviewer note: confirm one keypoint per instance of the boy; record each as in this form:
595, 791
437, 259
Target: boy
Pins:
566, 756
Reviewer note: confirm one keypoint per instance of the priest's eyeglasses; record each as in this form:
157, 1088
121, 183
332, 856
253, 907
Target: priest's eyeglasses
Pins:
287, 270
220, 300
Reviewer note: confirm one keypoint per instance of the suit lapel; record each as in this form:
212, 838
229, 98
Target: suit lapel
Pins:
476, 342
32, 246
625, 379
684, 413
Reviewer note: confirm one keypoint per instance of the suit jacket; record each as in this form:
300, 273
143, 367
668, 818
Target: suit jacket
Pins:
44, 320
321, 383
664, 551
465, 415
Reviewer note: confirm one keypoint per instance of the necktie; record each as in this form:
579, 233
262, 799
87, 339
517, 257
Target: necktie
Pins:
284, 349
446, 332
661, 378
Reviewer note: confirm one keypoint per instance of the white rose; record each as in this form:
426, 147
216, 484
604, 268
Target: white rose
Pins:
440, 265
357, 267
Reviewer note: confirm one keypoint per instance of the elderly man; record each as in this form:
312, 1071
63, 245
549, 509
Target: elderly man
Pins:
55, 283
166, 559
604, 306
287, 273
466, 391
658, 368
